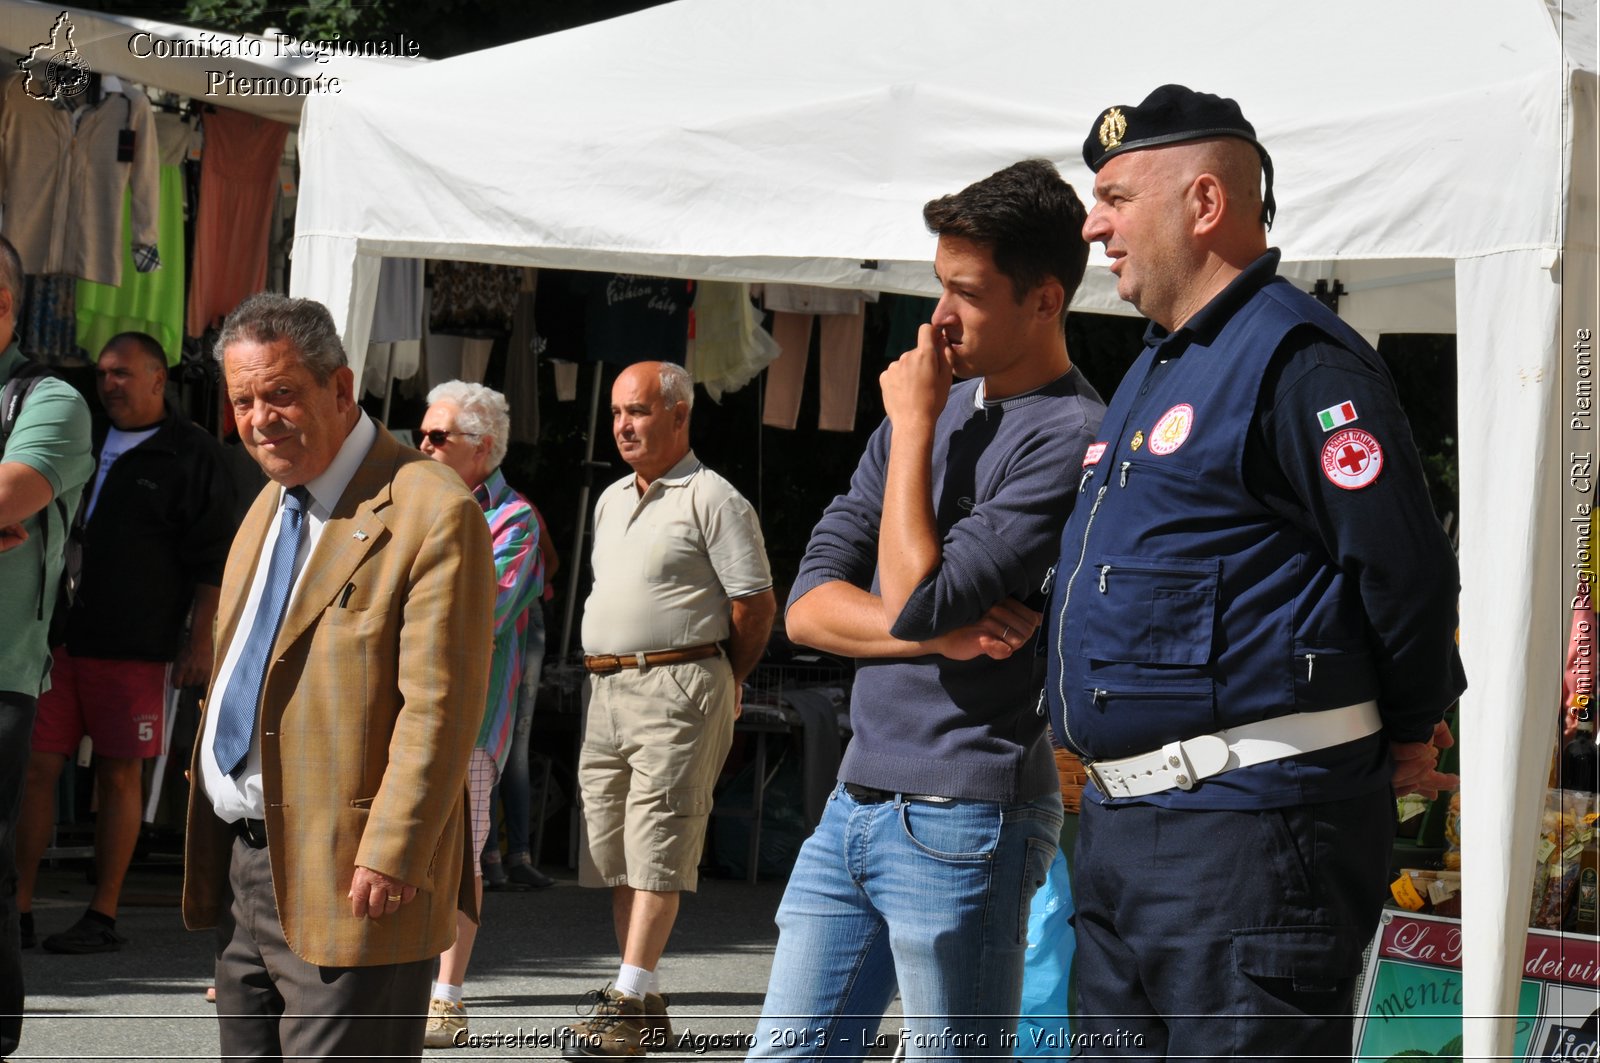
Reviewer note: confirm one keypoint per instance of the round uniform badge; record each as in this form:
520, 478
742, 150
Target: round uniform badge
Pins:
1172, 430
1352, 459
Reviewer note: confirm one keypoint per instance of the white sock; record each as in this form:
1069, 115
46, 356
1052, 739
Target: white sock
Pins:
449, 993
634, 981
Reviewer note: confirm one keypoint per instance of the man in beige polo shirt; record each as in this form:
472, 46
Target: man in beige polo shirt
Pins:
680, 612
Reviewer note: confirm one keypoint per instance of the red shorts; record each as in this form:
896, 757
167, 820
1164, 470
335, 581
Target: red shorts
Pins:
120, 704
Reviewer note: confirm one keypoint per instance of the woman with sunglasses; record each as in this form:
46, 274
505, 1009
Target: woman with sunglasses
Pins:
466, 428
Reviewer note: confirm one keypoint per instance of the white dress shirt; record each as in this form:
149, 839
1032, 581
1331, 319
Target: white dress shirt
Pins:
240, 798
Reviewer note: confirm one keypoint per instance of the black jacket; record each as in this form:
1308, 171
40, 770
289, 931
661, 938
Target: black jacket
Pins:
162, 524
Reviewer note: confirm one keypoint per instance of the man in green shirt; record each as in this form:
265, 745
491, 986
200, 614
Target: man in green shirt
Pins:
46, 457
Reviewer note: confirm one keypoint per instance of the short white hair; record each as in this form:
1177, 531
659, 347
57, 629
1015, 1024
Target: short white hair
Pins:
480, 411
676, 385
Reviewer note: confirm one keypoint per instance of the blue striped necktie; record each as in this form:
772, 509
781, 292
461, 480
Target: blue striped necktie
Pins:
236, 716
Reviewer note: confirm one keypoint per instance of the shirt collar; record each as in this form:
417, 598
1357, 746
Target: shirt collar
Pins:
679, 473
1209, 319
493, 486
10, 359
327, 489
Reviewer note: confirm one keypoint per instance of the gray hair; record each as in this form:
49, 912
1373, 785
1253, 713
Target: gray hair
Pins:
11, 275
480, 411
268, 317
676, 386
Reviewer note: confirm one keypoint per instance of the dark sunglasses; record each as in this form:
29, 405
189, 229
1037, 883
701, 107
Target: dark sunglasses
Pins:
438, 436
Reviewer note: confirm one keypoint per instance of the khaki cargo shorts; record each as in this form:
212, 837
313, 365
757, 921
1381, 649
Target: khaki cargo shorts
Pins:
653, 746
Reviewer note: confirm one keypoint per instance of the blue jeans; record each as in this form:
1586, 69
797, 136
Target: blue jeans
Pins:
514, 791
932, 897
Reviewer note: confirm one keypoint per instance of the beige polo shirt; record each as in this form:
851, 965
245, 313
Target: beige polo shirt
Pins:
667, 563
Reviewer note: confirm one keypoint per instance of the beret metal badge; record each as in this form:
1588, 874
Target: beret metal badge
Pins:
1112, 128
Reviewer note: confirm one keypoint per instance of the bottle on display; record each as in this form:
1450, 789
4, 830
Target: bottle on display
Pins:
1580, 765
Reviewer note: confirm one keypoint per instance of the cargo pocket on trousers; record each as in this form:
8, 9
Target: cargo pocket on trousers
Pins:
1290, 970
689, 801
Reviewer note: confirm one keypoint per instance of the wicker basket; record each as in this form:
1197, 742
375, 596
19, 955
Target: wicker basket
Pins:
1070, 769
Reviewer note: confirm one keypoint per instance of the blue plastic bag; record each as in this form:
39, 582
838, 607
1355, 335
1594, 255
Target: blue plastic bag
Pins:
1042, 1025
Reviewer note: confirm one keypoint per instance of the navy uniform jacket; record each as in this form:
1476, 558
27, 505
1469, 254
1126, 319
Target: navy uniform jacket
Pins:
1254, 539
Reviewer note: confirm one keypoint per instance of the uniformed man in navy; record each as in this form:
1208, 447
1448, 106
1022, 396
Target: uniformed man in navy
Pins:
1252, 623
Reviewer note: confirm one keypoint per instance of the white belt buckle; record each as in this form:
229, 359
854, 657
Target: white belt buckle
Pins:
639, 659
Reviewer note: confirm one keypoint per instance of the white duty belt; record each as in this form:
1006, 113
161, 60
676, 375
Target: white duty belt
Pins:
1179, 765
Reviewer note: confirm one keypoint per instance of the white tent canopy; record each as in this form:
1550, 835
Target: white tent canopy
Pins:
1435, 156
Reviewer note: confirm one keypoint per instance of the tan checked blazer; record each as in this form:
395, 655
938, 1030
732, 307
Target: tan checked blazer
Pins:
371, 706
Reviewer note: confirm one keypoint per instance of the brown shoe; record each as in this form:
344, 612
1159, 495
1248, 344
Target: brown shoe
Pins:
619, 1026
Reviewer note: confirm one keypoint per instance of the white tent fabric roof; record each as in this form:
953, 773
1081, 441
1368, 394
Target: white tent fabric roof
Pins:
1436, 156
713, 139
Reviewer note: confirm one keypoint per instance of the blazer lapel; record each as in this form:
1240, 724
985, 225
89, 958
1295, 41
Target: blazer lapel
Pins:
243, 557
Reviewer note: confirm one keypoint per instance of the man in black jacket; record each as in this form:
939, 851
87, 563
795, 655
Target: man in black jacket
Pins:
154, 532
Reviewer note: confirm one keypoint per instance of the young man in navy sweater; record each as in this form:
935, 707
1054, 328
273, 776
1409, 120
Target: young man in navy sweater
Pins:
929, 572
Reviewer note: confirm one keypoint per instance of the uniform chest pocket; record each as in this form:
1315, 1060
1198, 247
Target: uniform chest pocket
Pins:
1158, 611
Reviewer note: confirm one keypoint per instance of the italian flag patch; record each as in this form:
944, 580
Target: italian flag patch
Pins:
1334, 416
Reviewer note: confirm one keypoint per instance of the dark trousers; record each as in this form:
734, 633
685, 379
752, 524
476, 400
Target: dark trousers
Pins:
16, 729
1216, 935
271, 1004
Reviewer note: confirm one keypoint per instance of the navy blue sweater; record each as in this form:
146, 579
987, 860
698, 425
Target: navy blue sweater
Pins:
1005, 475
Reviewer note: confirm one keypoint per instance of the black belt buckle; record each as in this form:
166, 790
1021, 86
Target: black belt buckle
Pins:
868, 795
253, 831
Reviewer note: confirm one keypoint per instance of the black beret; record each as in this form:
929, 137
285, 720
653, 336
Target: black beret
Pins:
1173, 114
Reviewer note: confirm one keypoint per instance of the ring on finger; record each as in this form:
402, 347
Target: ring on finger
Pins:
1006, 634
394, 896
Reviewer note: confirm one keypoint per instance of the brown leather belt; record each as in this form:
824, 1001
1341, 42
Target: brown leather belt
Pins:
612, 663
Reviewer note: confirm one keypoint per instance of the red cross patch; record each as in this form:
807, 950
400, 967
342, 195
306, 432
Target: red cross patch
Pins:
1352, 459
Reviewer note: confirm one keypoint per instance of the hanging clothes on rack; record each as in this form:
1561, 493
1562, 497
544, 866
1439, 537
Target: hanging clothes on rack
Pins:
795, 307
728, 347
631, 319
47, 326
472, 298
151, 303
903, 316
560, 322
395, 347
238, 185
63, 172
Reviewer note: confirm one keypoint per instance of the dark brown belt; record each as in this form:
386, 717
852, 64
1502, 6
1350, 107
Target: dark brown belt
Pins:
611, 663
871, 795
253, 831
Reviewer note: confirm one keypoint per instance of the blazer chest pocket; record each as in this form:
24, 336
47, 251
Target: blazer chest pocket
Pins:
1151, 611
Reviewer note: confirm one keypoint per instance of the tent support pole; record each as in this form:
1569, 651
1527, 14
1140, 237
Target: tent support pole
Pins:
575, 565
388, 387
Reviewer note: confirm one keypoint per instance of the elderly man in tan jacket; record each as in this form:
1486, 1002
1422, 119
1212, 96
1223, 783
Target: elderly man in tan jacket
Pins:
327, 835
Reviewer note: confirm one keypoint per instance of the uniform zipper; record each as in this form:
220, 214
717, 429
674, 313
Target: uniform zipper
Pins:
1066, 599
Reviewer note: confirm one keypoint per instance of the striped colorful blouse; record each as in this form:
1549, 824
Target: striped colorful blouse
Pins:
519, 579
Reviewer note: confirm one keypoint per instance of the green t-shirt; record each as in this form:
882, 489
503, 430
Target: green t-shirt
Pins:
51, 437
